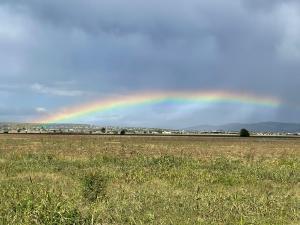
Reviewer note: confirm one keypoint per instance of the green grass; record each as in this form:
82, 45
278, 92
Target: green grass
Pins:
93, 180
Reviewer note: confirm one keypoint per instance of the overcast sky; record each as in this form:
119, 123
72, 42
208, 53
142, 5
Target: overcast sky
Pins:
55, 54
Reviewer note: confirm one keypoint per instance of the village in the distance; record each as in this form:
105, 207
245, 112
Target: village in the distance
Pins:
30, 128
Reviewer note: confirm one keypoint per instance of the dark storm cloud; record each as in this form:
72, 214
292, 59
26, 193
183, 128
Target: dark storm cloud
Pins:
117, 46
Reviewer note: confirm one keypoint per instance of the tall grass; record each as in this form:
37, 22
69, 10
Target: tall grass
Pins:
113, 180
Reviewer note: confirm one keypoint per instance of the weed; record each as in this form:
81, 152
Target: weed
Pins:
94, 186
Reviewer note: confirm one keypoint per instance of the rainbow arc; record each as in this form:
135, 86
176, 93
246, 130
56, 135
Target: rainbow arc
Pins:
142, 99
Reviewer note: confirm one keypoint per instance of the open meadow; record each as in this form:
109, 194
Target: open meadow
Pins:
65, 179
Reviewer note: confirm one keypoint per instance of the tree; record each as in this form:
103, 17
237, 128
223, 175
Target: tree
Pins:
244, 133
103, 130
123, 132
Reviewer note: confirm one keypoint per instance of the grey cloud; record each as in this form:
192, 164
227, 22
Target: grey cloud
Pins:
39, 88
266, 4
116, 46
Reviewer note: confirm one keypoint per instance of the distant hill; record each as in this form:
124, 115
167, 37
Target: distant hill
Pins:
255, 127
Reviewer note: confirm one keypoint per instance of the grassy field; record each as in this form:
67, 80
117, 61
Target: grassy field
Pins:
148, 180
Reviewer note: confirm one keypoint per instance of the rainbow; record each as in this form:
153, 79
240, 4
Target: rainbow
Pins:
141, 99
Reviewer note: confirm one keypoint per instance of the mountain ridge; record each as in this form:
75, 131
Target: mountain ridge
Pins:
254, 127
